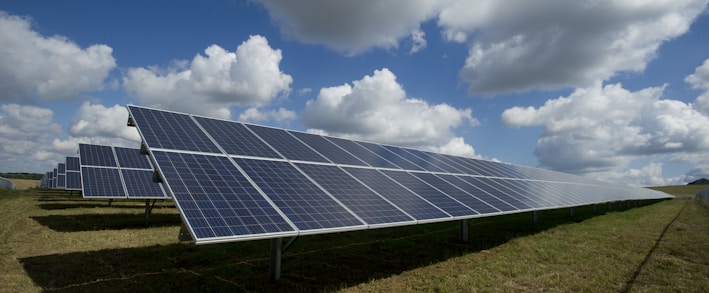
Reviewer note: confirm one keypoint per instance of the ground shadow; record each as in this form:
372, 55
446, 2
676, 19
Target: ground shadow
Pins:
96, 222
314, 263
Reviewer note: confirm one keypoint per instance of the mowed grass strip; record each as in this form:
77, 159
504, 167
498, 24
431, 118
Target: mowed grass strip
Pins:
51, 241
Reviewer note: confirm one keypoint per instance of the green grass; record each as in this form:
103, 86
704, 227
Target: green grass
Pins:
50, 241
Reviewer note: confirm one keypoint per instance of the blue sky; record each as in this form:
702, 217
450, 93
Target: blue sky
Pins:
616, 91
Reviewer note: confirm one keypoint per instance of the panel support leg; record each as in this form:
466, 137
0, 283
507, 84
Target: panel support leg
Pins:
464, 231
608, 209
535, 216
110, 201
274, 270
148, 210
594, 208
571, 212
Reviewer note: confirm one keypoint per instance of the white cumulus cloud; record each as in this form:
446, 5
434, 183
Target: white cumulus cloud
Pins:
25, 136
48, 67
604, 128
376, 108
700, 80
351, 27
210, 85
281, 115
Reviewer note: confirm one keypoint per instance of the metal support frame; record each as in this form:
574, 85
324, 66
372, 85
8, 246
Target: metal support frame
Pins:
571, 212
594, 208
110, 201
464, 232
148, 209
609, 206
277, 250
535, 216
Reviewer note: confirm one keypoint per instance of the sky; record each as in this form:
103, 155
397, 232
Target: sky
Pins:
611, 90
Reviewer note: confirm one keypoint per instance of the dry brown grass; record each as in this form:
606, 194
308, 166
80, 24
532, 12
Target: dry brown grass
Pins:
23, 184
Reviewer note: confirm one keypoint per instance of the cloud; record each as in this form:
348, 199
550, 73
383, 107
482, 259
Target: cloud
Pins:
25, 134
210, 84
457, 147
350, 27
50, 68
513, 46
376, 108
255, 115
604, 128
700, 80
99, 121
553, 44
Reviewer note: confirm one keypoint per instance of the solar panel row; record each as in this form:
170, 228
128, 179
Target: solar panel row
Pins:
234, 181
117, 172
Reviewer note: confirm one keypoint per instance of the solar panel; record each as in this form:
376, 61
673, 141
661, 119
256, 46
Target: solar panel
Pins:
233, 181
236, 139
61, 175
101, 183
72, 164
121, 172
73, 180
217, 201
308, 206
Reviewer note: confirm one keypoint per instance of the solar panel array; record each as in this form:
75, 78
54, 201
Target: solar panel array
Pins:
233, 181
116, 172
73, 174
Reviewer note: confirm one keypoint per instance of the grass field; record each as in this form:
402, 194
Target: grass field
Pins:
51, 241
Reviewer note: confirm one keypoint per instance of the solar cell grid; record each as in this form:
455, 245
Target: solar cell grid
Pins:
399, 196
101, 182
361, 200
140, 184
308, 207
235, 139
72, 164
96, 155
61, 181
61, 168
390, 156
432, 195
216, 200
287, 145
171, 131
437, 160
73, 180
362, 153
488, 186
421, 162
328, 149
132, 158
476, 204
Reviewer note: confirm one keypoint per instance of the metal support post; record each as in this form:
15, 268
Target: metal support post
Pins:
463, 230
594, 208
274, 270
571, 212
535, 216
609, 206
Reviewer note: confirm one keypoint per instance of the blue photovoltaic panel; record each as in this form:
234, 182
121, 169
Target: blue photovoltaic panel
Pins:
96, 155
439, 161
286, 144
328, 149
140, 184
389, 156
61, 181
101, 182
432, 195
235, 139
425, 164
306, 205
171, 131
216, 200
486, 185
72, 164
362, 153
460, 195
369, 206
394, 193
478, 193
132, 158
73, 180
61, 168
260, 182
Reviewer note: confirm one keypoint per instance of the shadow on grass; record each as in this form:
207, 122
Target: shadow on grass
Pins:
314, 263
97, 222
